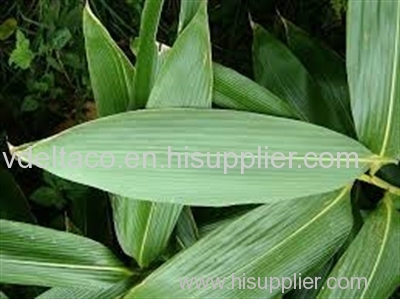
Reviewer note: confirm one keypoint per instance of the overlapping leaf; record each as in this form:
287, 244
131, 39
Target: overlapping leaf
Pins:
113, 292
147, 61
276, 240
105, 61
185, 77
234, 91
314, 100
34, 255
189, 131
328, 70
378, 262
373, 67
148, 225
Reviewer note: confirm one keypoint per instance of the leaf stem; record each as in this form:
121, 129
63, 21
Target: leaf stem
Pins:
373, 180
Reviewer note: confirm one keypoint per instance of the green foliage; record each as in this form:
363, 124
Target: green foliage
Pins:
299, 95
22, 55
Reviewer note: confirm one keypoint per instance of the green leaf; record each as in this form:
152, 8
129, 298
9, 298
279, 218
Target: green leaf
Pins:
147, 53
13, 204
185, 77
115, 291
200, 130
7, 28
312, 293
328, 70
237, 92
275, 240
188, 10
144, 228
22, 55
61, 38
34, 255
186, 229
279, 70
105, 61
378, 261
374, 77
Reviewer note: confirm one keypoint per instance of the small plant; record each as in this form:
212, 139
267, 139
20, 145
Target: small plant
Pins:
285, 221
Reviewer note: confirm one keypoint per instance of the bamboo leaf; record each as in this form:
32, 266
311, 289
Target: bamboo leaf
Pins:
235, 91
186, 229
379, 261
373, 66
275, 240
185, 77
188, 10
328, 70
115, 291
105, 61
143, 227
279, 70
147, 53
34, 255
195, 130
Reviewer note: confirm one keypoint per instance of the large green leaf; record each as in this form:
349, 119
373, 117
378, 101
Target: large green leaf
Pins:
378, 261
235, 91
147, 53
275, 240
34, 255
105, 61
147, 226
113, 292
280, 71
328, 70
373, 66
185, 77
195, 130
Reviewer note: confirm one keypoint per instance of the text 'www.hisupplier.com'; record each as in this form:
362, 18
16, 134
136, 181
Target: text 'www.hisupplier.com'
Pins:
271, 284
184, 158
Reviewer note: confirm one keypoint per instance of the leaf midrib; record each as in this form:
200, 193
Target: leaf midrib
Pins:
393, 84
382, 247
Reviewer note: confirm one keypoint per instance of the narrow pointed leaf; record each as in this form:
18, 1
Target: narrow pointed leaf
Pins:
328, 70
105, 61
235, 91
279, 70
213, 131
147, 53
186, 229
188, 10
185, 77
143, 227
379, 260
34, 255
275, 240
373, 66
